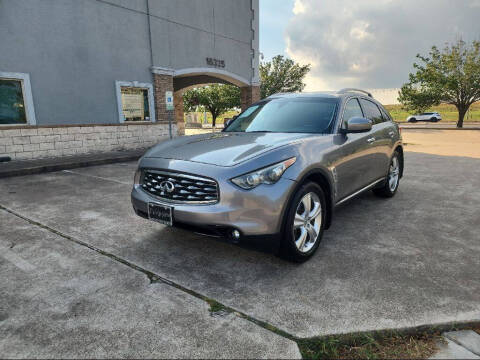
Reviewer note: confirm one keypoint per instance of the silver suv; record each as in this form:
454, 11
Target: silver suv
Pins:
278, 170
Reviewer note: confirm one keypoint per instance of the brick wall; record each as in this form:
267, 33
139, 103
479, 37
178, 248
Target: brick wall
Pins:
40, 142
179, 114
162, 83
249, 95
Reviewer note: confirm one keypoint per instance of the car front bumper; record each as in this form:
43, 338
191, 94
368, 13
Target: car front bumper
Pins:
258, 211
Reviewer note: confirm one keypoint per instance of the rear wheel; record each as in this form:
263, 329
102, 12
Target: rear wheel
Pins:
304, 223
390, 186
412, 120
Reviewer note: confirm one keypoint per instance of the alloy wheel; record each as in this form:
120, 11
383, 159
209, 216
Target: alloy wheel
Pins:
307, 222
393, 174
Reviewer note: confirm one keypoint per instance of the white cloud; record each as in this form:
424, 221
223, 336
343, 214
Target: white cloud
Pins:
298, 7
360, 31
372, 43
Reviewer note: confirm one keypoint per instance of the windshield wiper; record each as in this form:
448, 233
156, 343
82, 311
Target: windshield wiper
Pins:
259, 131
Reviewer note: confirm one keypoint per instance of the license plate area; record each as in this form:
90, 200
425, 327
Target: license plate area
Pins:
160, 213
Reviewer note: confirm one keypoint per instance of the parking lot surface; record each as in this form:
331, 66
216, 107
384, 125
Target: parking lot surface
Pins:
73, 253
443, 142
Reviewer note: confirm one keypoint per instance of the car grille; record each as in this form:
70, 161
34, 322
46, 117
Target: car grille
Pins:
180, 188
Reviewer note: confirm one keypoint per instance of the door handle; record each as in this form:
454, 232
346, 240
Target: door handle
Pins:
370, 140
391, 133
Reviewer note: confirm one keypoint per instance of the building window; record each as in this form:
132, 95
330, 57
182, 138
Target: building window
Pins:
135, 101
135, 104
16, 105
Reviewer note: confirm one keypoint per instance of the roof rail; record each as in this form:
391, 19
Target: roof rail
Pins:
354, 90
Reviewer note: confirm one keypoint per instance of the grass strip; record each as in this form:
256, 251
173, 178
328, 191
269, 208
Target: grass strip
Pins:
413, 343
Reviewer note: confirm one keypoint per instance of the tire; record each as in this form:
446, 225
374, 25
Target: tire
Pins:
296, 242
433, 119
413, 120
390, 186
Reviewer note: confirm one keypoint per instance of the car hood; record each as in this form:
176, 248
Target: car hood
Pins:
222, 149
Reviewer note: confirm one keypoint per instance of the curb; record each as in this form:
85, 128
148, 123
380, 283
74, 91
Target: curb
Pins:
31, 168
349, 339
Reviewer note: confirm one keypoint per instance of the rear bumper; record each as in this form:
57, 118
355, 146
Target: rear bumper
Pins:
252, 212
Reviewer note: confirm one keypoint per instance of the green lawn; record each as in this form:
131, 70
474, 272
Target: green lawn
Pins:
228, 114
448, 112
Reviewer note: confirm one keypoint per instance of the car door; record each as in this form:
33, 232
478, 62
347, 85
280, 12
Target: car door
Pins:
391, 132
352, 166
379, 141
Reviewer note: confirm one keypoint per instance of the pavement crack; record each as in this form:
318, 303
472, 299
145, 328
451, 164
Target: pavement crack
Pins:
321, 346
216, 308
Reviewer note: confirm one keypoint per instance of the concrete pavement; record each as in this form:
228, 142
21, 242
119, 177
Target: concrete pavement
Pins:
443, 142
401, 262
464, 344
59, 299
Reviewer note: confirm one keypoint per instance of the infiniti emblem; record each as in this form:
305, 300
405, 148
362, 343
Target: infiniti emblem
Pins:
167, 186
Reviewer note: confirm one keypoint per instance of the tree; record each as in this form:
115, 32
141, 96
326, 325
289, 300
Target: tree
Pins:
216, 98
281, 75
450, 76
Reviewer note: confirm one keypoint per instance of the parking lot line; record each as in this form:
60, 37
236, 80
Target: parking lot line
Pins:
381, 265
155, 278
95, 177
93, 307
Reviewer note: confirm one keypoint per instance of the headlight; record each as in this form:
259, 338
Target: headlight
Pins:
268, 175
136, 178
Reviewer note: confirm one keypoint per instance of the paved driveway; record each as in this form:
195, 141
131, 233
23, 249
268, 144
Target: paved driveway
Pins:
75, 265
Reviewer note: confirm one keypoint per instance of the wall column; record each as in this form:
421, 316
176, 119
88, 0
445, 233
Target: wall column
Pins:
249, 95
163, 83
179, 116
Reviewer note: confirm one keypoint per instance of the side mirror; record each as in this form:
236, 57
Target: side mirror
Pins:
357, 125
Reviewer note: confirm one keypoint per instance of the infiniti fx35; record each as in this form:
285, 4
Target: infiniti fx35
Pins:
278, 170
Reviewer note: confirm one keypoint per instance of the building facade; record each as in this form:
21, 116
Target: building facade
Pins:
99, 75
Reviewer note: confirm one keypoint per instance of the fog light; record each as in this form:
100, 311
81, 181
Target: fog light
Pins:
236, 234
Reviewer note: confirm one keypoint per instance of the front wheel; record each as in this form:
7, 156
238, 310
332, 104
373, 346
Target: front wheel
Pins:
390, 185
304, 223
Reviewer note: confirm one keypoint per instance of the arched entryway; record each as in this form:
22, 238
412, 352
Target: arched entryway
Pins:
181, 80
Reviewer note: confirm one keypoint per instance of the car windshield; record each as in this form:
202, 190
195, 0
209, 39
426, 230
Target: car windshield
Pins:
287, 115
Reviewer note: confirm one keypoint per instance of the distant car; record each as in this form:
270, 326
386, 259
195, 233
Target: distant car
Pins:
428, 116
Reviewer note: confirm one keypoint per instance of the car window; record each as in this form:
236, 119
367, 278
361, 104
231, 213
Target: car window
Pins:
371, 111
386, 115
352, 109
289, 115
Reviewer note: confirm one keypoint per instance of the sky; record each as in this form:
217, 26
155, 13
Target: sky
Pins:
362, 43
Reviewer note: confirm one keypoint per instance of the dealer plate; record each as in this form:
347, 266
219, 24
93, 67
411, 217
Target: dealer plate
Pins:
160, 213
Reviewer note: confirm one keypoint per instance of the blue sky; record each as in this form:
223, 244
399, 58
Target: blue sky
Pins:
274, 16
362, 43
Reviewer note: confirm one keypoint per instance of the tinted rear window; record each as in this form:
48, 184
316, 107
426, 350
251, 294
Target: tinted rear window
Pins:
372, 111
386, 115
